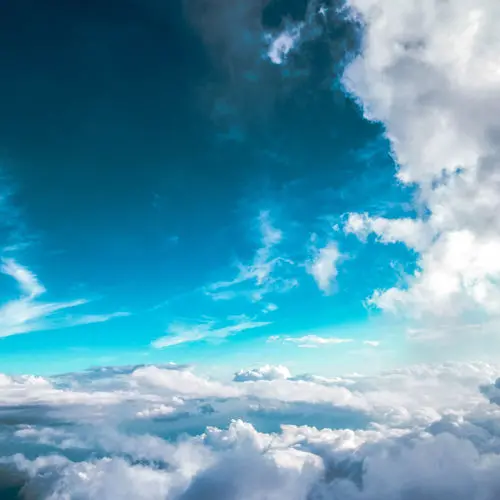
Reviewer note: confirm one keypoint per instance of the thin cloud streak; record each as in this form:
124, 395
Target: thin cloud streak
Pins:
26, 314
309, 341
179, 333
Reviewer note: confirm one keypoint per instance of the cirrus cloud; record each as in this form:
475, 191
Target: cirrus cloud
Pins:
29, 314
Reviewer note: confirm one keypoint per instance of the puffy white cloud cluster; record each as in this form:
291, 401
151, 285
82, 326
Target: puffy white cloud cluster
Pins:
429, 71
158, 432
266, 372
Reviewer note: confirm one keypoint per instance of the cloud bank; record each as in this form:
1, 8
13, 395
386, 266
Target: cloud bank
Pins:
165, 432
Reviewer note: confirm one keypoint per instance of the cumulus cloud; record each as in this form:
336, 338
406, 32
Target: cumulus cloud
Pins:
267, 372
181, 382
438, 101
426, 432
28, 314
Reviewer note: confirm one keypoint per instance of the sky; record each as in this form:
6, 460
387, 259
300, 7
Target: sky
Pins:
175, 185
242, 183
249, 250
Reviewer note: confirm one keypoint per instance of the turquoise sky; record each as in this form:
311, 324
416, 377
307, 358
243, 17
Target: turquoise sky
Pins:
168, 191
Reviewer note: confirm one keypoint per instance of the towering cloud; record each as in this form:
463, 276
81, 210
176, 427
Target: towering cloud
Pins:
429, 72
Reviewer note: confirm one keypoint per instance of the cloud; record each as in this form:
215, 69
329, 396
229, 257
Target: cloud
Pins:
440, 110
413, 232
252, 60
179, 333
310, 341
288, 39
371, 343
15, 235
26, 280
96, 318
283, 43
323, 266
430, 433
264, 274
181, 383
270, 308
266, 372
27, 314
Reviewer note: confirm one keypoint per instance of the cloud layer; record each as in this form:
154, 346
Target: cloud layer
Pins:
166, 432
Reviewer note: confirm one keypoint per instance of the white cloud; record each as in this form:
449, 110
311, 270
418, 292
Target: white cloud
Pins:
264, 274
412, 232
156, 411
419, 432
183, 383
372, 343
27, 314
439, 102
270, 308
310, 340
26, 280
266, 372
88, 319
283, 43
323, 266
179, 333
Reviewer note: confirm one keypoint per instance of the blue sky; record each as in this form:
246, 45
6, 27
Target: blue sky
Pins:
177, 188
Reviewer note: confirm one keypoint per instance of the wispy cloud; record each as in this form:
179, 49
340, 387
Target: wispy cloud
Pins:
28, 314
15, 236
26, 280
309, 341
270, 308
180, 333
88, 319
283, 43
372, 343
258, 278
289, 39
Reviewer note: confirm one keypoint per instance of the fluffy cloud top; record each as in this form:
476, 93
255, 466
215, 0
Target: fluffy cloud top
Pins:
428, 71
425, 432
266, 372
